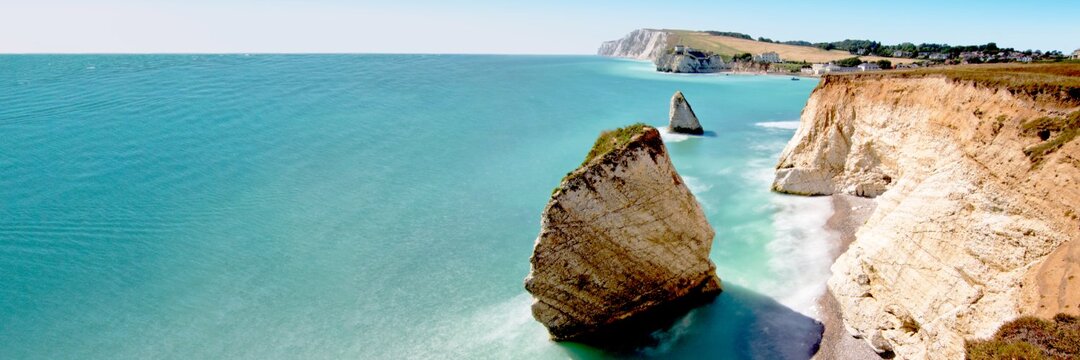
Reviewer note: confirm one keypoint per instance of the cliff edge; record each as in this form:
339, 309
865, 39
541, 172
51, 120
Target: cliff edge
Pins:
640, 44
623, 246
976, 176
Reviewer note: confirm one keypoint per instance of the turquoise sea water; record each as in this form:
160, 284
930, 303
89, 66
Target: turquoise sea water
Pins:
361, 206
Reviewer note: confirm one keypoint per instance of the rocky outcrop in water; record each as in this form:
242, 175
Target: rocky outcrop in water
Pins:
681, 118
641, 44
977, 193
623, 246
689, 61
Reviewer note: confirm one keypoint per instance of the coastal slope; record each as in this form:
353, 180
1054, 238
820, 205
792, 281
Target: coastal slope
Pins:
651, 44
976, 176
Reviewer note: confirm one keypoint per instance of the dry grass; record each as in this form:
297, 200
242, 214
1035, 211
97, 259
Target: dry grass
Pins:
1055, 133
1057, 81
1031, 338
729, 46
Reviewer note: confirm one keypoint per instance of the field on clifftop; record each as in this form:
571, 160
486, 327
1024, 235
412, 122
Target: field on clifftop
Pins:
728, 46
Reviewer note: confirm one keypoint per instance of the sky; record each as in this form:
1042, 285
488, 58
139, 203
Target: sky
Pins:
507, 27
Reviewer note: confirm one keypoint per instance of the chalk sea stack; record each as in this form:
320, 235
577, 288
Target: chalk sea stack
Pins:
623, 247
682, 118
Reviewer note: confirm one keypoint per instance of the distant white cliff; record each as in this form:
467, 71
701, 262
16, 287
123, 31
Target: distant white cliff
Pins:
641, 44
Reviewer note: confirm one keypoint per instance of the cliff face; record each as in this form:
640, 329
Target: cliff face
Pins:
641, 44
681, 63
970, 229
623, 245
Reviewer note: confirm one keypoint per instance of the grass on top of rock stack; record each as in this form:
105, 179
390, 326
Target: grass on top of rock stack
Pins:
609, 140
613, 139
1030, 337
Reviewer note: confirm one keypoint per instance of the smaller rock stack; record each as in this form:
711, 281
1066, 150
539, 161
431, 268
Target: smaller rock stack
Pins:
683, 120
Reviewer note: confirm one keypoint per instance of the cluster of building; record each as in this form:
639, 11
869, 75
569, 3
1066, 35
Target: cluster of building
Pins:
990, 56
822, 69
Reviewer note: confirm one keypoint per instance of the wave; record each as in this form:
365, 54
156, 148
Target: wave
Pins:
669, 136
695, 185
786, 125
503, 330
801, 251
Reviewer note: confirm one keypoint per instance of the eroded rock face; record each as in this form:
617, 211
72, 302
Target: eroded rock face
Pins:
968, 231
623, 246
688, 63
641, 44
682, 118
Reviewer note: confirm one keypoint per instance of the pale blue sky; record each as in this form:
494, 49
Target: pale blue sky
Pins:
506, 27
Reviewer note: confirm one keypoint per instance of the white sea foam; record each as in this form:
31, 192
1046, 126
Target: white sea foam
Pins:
787, 125
801, 251
696, 185
504, 330
669, 136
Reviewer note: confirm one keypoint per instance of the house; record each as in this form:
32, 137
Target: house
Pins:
939, 56
868, 67
679, 49
767, 57
902, 53
822, 69
1076, 54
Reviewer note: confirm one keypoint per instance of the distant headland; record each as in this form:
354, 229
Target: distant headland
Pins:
713, 51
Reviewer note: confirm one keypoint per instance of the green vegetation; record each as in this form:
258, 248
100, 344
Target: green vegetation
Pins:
729, 34
1031, 338
1050, 81
884, 64
743, 57
1055, 132
849, 62
609, 140
613, 139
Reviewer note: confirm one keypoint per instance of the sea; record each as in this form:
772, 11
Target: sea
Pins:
256, 206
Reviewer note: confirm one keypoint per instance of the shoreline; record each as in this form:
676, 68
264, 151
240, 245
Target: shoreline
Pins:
849, 213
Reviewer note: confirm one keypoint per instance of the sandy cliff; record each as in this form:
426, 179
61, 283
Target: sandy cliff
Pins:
970, 230
623, 246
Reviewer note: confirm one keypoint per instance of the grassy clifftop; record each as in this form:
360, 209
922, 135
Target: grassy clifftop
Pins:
728, 46
1060, 81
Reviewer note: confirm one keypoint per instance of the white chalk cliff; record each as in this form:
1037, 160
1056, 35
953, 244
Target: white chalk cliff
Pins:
623, 245
641, 44
976, 218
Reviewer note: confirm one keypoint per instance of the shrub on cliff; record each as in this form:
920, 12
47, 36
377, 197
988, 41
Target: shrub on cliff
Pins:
1031, 338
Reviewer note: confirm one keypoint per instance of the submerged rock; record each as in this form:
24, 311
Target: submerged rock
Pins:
623, 246
682, 118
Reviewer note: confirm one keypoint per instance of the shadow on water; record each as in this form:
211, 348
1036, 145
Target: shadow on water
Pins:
740, 324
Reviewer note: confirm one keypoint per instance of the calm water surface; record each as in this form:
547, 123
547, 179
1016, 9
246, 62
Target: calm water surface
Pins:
361, 206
